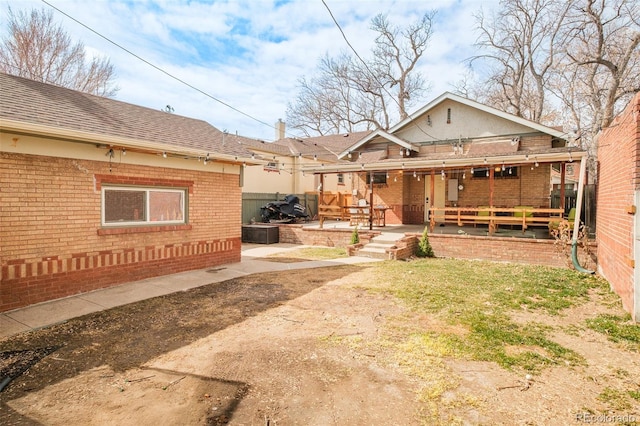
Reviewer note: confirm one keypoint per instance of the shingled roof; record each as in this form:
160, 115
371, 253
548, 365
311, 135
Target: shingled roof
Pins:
27, 102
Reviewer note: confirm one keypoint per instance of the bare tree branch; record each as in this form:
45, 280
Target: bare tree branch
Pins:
39, 49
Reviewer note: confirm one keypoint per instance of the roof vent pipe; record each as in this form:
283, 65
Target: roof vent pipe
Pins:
280, 129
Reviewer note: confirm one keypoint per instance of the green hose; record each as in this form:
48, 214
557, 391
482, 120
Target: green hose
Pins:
574, 259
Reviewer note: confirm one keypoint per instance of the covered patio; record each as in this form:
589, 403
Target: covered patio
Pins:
484, 195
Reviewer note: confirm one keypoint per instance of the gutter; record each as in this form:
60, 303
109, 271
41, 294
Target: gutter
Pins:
119, 141
576, 222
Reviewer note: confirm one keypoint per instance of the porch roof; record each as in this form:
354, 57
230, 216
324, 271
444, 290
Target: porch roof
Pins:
452, 160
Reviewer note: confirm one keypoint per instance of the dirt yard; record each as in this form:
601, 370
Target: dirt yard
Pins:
308, 347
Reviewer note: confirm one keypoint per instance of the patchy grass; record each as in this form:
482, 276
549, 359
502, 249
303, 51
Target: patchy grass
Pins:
617, 400
619, 329
478, 297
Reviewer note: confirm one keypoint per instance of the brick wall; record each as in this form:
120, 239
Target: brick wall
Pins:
500, 249
297, 234
618, 180
52, 243
530, 188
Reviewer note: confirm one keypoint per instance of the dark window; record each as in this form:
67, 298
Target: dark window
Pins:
378, 178
508, 172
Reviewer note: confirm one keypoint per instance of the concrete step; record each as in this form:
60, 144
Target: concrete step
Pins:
377, 253
378, 245
389, 238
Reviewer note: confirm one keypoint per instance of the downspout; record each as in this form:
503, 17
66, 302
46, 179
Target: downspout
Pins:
576, 222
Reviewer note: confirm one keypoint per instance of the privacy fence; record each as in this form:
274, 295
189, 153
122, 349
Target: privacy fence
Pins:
252, 201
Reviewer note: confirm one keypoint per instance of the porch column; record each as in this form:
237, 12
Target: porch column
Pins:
562, 179
432, 195
491, 185
371, 202
321, 196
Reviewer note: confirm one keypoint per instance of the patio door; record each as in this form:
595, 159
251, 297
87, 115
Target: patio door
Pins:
439, 194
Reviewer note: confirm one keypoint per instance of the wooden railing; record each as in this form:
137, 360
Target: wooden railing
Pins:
523, 216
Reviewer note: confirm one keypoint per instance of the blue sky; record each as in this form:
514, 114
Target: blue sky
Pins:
248, 54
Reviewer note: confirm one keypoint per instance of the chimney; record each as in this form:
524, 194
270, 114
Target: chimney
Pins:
280, 126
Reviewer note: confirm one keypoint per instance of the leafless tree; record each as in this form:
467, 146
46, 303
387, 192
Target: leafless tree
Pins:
602, 58
38, 48
350, 94
520, 43
580, 57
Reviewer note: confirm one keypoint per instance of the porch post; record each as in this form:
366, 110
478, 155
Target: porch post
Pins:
321, 197
371, 201
432, 195
491, 186
562, 179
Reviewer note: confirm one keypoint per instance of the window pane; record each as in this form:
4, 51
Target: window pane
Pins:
165, 206
124, 206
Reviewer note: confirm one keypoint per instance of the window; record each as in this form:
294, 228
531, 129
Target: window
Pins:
141, 206
340, 179
508, 172
448, 115
378, 178
272, 167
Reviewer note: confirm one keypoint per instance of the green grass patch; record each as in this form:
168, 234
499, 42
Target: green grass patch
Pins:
619, 329
480, 296
615, 399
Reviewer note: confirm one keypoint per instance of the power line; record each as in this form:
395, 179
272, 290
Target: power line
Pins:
344, 36
160, 69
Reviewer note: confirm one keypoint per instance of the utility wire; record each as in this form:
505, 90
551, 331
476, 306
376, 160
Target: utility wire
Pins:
369, 69
160, 69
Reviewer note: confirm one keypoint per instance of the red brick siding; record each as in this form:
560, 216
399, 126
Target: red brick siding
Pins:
618, 179
53, 245
297, 234
530, 188
535, 142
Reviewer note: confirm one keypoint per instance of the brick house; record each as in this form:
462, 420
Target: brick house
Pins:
618, 231
96, 192
455, 154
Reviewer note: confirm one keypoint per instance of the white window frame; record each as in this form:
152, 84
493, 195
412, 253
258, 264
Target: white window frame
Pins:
147, 221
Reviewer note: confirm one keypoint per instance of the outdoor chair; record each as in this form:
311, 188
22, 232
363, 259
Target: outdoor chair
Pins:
571, 218
360, 215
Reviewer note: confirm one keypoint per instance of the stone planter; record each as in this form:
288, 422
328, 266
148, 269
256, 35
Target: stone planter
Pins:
352, 249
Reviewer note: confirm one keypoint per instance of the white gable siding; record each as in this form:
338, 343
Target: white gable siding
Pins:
466, 122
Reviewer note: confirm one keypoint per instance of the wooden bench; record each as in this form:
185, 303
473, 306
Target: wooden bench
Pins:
326, 211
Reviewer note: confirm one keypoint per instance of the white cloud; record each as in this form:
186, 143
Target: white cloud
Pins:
248, 54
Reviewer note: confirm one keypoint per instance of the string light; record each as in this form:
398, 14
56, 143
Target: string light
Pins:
164, 155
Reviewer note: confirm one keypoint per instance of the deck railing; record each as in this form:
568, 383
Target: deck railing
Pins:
523, 216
